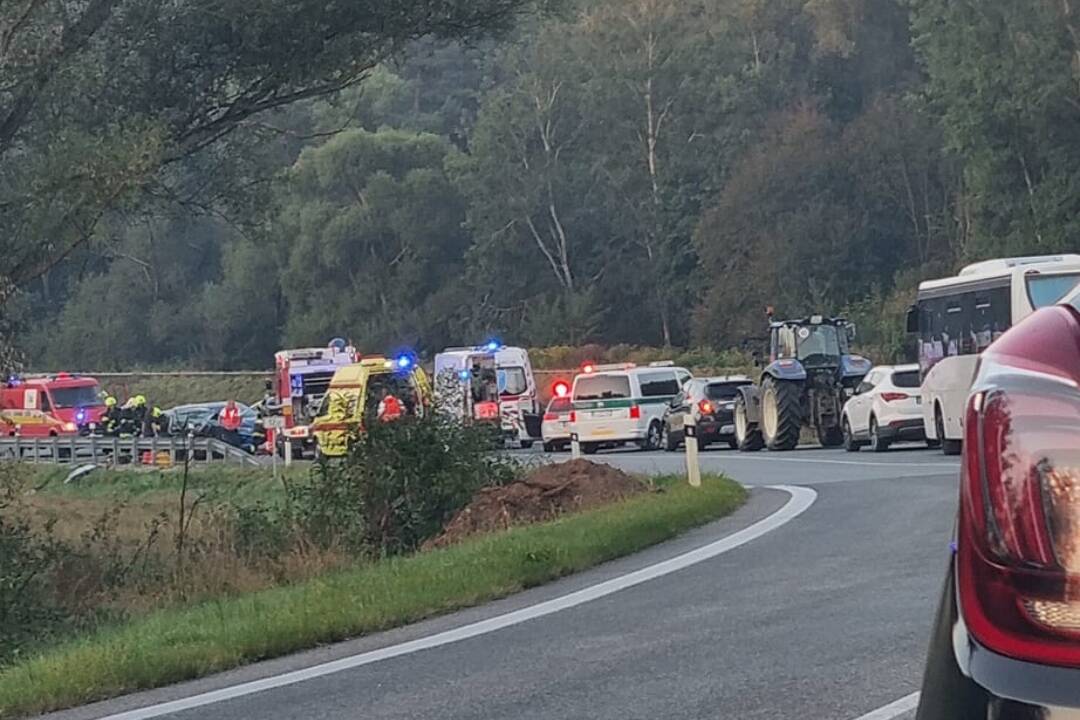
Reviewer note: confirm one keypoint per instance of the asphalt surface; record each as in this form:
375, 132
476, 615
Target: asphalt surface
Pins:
824, 617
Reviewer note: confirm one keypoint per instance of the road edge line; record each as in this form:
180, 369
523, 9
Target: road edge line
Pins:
893, 709
801, 500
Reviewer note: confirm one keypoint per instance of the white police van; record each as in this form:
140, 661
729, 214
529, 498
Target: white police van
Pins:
618, 404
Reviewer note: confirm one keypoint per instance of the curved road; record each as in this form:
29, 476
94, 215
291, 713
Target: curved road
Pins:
825, 616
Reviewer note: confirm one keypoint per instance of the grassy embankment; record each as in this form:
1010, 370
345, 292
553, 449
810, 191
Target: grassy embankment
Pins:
178, 643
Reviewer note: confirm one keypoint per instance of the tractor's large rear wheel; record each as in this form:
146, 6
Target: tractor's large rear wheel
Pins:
747, 434
781, 413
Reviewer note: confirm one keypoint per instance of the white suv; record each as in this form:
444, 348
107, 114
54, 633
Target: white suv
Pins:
886, 408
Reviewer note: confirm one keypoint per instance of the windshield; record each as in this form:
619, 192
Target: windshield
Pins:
1044, 290
906, 379
512, 381
561, 404
74, 397
722, 391
602, 387
820, 344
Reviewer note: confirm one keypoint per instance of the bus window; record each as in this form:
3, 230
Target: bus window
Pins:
1046, 290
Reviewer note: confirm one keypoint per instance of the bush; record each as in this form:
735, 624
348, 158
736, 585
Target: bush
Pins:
27, 556
399, 485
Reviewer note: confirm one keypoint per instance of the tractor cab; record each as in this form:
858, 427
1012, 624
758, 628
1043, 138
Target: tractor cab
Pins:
814, 342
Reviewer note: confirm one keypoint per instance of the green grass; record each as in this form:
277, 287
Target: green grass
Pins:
238, 484
170, 646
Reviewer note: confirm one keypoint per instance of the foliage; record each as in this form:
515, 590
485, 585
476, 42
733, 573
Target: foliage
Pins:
399, 485
636, 172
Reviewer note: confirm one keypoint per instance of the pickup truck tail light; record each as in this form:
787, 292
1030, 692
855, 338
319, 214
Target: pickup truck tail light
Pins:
635, 412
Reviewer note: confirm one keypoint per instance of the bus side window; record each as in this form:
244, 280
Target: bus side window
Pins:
1000, 311
983, 321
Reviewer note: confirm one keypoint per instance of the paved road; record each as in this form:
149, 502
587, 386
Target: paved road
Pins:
824, 617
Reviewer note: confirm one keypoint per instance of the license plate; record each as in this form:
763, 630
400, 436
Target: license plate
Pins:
602, 432
600, 413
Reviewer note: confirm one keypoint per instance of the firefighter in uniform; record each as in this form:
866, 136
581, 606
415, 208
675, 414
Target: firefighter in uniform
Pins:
159, 422
110, 420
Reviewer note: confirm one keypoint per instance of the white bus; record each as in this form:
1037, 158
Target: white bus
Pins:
957, 318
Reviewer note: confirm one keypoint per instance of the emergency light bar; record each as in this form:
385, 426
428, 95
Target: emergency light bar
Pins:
613, 366
662, 363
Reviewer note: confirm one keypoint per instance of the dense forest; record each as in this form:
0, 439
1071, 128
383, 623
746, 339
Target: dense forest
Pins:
649, 172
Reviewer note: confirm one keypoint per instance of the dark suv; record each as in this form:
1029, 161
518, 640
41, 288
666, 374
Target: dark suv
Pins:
712, 402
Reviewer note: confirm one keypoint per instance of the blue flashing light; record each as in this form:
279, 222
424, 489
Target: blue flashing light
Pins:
14, 381
493, 345
464, 374
80, 416
404, 362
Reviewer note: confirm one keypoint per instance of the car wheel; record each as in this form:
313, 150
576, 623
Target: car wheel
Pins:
589, 448
670, 444
652, 438
850, 443
526, 444
877, 443
549, 447
733, 442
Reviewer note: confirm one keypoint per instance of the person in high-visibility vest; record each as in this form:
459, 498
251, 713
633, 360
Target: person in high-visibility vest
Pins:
230, 417
389, 407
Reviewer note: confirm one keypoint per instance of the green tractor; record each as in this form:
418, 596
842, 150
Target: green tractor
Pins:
810, 374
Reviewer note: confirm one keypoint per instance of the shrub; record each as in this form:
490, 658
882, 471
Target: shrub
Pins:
27, 555
399, 485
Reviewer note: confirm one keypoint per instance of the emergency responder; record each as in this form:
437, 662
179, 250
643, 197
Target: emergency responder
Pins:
159, 422
128, 425
110, 419
389, 407
230, 417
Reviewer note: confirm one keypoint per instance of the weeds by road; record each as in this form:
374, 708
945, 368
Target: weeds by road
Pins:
181, 643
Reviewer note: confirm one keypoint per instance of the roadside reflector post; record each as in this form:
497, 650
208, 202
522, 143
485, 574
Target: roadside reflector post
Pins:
693, 464
288, 452
575, 446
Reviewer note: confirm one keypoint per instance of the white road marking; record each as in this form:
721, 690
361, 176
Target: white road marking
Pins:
865, 463
893, 709
801, 499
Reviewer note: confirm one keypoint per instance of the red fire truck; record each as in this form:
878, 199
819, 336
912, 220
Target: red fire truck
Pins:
301, 379
49, 405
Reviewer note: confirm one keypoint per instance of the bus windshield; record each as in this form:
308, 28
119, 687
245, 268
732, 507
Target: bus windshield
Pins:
1044, 290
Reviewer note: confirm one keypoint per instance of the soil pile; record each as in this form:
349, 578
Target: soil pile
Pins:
543, 494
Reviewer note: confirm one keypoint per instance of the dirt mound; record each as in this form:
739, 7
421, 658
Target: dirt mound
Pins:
543, 494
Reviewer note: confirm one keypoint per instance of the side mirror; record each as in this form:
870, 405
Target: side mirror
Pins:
850, 331
913, 319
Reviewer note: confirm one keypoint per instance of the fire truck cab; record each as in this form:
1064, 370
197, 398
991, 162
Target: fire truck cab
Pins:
301, 380
50, 405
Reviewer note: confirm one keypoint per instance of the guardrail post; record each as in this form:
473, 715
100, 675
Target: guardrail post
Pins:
575, 446
693, 463
288, 452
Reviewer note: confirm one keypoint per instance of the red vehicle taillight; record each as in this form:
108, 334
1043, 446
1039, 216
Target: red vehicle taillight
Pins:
705, 407
893, 396
573, 416
1018, 539
635, 412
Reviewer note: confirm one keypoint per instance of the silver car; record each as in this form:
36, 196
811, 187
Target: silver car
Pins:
555, 429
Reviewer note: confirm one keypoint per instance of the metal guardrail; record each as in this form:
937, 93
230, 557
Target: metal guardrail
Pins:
152, 451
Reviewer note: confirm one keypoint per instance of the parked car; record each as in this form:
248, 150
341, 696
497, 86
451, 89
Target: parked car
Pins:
202, 420
885, 408
1006, 640
712, 402
555, 429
